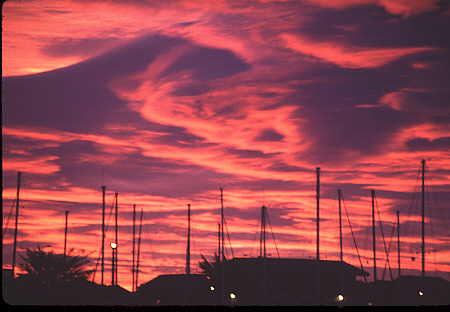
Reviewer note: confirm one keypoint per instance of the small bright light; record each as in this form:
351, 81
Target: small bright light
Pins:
420, 293
369, 303
233, 296
211, 288
340, 298
113, 245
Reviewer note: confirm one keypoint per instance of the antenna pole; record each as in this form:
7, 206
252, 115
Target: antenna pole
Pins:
423, 217
103, 233
116, 251
398, 242
133, 269
188, 249
65, 233
19, 175
341, 254
373, 238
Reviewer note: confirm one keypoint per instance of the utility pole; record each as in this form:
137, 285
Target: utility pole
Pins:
423, 217
188, 248
19, 175
133, 270
116, 250
398, 242
103, 233
373, 238
65, 233
341, 254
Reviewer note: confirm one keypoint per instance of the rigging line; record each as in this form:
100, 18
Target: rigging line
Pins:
353, 236
228, 236
273, 234
11, 211
430, 209
389, 248
382, 235
139, 248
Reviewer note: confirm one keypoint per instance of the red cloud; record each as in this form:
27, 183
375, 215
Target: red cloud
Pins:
398, 7
348, 57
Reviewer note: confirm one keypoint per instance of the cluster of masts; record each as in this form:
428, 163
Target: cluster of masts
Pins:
221, 233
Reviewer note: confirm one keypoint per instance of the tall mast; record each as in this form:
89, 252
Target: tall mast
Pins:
218, 240
317, 213
103, 233
423, 217
262, 235
318, 273
19, 175
113, 270
188, 248
398, 243
222, 218
133, 270
116, 258
373, 238
65, 233
341, 254
222, 239
139, 249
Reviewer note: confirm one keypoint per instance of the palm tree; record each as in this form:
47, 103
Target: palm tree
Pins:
210, 269
50, 268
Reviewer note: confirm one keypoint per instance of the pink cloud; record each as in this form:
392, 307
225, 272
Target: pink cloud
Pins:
405, 8
347, 56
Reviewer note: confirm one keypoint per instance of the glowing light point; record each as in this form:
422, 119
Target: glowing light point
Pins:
113, 245
420, 293
211, 288
340, 298
233, 296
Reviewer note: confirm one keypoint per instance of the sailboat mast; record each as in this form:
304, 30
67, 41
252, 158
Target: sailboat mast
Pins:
318, 213
103, 233
423, 217
222, 221
19, 175
188, 248
373, 238
65, 232
341, 254
262, 235
116, 258
398, 243
133, 269
139, 249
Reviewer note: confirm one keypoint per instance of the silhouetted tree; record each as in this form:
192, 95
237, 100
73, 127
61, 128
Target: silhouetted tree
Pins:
209, 268
49, 268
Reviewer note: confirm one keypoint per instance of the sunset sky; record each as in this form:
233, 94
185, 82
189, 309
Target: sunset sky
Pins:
167, 101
